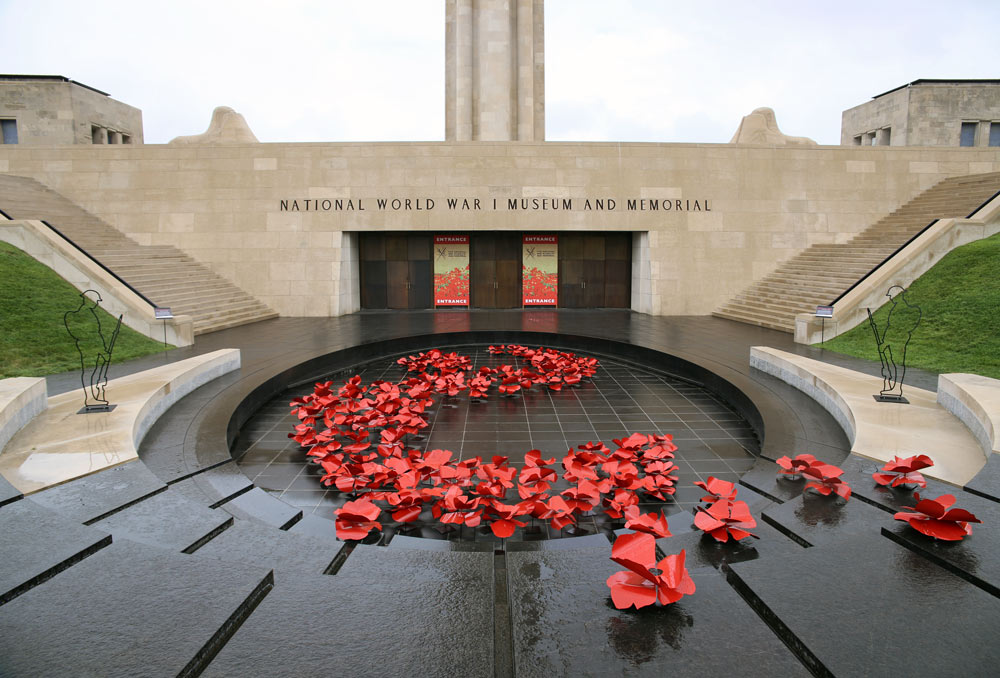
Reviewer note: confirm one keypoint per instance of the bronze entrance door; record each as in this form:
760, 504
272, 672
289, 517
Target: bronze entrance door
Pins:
495, 265
595, 270
396, 270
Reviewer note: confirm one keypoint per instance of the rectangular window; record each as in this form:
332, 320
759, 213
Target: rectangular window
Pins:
113, 137
995, 134
126, 139
857, 140
9, 129
885, 136
968, 137
872, 138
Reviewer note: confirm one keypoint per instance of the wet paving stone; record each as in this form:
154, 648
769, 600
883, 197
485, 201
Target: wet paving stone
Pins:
47, 543
215, 486
565, 625
8, 492
88, 498
815, 519
387, 612
253, 543
987, 481
259, 505
127, 610
167, 520
866, 606
703, 550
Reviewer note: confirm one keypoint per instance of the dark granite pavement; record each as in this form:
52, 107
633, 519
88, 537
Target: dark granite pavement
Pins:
205, 573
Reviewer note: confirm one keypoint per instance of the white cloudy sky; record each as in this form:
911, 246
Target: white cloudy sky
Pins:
373, 70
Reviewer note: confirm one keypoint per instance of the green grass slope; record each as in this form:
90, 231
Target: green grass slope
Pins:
960, 324
33, 339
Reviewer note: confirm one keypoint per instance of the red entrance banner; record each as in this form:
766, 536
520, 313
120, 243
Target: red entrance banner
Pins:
451, 270
540, 270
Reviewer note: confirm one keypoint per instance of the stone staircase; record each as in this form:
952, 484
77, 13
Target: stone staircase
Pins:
821, 273
163, 274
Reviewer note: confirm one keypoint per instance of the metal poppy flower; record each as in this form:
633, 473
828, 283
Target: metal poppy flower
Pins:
646, 581
356, 519
903, 471
933, 518
725, 519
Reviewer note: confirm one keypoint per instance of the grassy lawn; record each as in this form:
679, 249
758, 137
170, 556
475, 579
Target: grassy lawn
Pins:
960, 323
33, 340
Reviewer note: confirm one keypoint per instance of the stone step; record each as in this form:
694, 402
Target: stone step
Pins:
159, 272
751, 318
235, 321
823, 272
777, 313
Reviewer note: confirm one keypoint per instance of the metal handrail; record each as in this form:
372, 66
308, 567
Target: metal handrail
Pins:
106, 269
904, 245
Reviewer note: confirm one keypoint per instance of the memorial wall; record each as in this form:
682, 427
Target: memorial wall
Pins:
283, 221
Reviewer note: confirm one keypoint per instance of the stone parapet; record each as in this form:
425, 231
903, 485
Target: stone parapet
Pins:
976, 401
21, 399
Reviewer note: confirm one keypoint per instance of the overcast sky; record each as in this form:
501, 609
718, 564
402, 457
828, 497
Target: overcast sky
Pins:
373, 70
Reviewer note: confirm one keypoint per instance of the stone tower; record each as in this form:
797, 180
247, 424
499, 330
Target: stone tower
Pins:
495, 70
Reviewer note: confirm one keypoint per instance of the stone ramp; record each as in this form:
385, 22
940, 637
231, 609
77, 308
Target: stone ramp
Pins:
162, 273
821, 273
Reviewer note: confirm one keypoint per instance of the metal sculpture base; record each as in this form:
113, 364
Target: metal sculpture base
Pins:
891, 399
94, 409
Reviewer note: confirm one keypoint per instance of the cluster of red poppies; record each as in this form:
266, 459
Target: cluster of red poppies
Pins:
452, 285
470, 492
448, 374
647, 581
932, 517
538, 284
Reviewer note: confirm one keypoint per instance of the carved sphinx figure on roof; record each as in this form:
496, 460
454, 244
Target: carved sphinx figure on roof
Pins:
761, 127
227, 127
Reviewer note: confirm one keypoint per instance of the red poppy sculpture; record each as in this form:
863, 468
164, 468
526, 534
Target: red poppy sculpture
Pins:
726, 519
717, 489
650, 523
356, 519
825, 479
903, 472
793, 468
936, 518
646, 581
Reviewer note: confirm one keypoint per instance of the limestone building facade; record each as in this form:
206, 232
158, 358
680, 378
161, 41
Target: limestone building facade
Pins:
318, 229
52, 110
927, 113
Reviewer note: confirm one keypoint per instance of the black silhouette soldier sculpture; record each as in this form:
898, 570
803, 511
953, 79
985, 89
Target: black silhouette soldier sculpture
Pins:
84, 326
892, 342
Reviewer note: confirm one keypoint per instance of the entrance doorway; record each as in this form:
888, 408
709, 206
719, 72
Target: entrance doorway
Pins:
595, 270
495, 265
395, 270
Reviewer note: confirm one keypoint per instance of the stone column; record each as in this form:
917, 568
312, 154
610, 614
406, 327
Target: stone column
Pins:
494, 70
